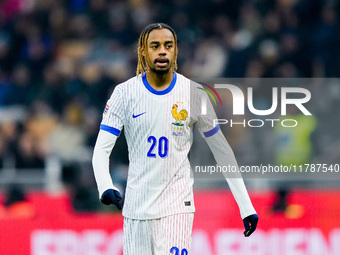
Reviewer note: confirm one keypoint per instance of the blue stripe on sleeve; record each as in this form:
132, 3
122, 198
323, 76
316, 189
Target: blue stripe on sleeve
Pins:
212, 132
109, 129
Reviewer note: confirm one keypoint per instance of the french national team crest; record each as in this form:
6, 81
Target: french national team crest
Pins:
179, 116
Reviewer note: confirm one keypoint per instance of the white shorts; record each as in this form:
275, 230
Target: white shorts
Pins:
164, 236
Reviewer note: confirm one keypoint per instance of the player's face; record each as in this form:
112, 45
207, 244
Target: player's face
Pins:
160, 51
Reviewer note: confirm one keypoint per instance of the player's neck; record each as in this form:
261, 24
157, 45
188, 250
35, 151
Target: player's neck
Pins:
159, 81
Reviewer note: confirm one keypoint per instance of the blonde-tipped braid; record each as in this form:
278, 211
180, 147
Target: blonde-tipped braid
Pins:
142, 43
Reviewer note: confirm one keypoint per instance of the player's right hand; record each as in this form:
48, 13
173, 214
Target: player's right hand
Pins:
112, 196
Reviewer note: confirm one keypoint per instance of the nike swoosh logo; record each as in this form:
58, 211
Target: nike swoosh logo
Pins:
135, 116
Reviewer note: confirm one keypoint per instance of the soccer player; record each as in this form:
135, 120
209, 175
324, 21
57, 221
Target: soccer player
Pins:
158, 108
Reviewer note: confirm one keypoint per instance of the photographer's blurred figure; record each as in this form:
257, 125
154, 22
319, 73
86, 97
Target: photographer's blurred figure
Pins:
16, 205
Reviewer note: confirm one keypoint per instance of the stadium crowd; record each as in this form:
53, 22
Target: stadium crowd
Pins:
60, 60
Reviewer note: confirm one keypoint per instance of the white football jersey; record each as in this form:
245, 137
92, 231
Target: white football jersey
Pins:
158, 127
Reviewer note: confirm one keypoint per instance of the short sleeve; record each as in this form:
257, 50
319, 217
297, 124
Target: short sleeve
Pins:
113, 115
203, 111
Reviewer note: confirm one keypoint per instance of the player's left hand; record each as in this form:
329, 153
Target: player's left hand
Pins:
250, 223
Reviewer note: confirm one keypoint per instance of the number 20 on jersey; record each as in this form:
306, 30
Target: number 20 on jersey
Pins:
159, 146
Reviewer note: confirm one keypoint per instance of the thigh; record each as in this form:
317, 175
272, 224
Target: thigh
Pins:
137, 238
172, 234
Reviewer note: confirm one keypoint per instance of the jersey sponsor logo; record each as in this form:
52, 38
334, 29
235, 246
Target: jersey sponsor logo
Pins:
187, 203
179, 116
135, 116
106, 109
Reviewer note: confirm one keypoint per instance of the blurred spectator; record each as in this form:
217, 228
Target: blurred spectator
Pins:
4, 51
68, 138
208, 61
8, 133
52, 89
119, 27
327, 41
293, 146
22, 90
93, 117
36, 50
27, 154
5, 87
99, 14
3, 151
269, 53
292, 52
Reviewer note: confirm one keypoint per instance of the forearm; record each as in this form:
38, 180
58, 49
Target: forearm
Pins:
224, 156
100, 160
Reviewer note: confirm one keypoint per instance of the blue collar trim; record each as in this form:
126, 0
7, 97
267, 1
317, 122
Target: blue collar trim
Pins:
160, 92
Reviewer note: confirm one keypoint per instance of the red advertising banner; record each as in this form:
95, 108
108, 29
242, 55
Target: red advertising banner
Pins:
309, 226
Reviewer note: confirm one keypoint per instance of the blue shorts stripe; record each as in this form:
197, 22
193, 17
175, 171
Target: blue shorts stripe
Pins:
212, 132
109, 129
